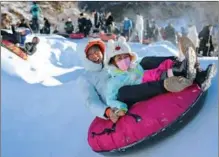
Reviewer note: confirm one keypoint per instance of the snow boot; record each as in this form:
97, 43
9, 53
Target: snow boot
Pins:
187, 67
177, 83
203, 78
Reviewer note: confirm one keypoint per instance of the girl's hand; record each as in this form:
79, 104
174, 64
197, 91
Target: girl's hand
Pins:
114, 114
113, 117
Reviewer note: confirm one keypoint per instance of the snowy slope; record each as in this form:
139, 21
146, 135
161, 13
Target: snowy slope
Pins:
46, 62
43, 114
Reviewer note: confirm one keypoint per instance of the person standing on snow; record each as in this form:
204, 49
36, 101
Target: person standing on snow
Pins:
102, 21
93, 84
149, 31
61, 26
170, 33
46, 27
139, 27
96, 19
206, 47
155, 31
109, 22
88, 26
127, 26
82, 23
35, 11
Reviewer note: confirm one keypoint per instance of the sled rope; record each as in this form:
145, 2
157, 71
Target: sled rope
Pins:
107, 130
135, 116
113, 128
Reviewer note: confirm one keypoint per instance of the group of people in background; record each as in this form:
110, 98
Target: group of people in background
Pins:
142, 29
86, 24
203, 41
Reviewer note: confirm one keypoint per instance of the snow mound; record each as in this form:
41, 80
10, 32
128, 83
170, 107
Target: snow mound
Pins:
55, 56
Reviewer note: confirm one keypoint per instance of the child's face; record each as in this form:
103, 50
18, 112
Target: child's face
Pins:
35, 40
95, 55
6, 23
118, 58
123, 61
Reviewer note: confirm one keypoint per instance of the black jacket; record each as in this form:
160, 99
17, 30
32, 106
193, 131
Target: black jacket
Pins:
109, 20
13, 38
88, 24
205, 38
46, 24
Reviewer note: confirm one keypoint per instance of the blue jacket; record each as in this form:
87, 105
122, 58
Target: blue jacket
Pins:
119, 79
35, 9
93, 86
127, 25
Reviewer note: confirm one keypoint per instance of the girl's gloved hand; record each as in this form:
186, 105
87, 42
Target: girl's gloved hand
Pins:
114, 114
113, 117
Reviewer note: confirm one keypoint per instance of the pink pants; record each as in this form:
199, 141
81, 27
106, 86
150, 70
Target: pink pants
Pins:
155, 74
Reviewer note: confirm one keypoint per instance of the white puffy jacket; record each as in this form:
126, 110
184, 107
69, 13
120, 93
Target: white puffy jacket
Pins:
139, 23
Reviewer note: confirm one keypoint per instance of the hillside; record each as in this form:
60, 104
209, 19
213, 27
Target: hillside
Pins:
200, 13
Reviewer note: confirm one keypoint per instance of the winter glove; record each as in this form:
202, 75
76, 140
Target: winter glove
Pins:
111, 115
114, 114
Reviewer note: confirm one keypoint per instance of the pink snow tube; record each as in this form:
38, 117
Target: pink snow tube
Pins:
76, 35
145, 119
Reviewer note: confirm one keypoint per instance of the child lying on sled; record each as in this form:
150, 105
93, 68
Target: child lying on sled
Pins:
125, 70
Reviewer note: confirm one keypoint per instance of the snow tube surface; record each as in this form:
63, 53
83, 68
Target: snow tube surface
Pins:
145, 120
76, 36
107, 36
14, 49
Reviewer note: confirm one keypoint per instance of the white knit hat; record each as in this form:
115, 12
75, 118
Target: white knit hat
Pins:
119, 47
